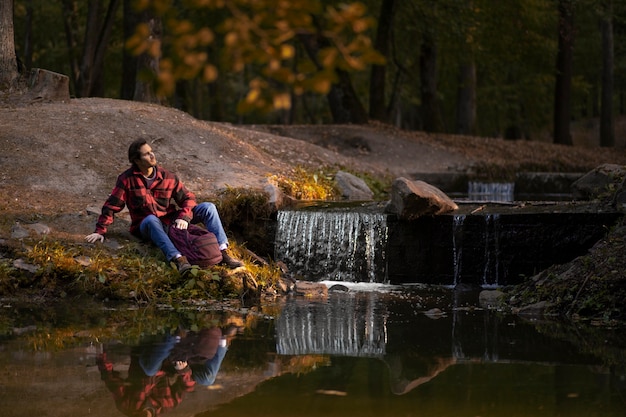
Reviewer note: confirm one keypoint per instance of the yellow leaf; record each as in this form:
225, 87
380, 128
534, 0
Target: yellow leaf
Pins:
155, 49
183, 26
287, 51
273, 65
205, 36
253, 95
328, 57
231, 39
282, 101
141, 4
238, 65
209, 73
322, 86
360, 25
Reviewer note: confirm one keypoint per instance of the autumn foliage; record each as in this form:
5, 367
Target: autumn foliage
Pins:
263, 34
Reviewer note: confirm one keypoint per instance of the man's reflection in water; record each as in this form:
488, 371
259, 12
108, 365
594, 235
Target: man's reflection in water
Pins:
160, 373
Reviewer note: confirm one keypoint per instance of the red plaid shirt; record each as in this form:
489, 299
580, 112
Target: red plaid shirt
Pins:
131, 191
161, 392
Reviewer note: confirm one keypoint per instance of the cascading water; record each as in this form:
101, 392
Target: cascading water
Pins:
481, 229
457, 245
334, 245
471, 247
491, 274
491, 191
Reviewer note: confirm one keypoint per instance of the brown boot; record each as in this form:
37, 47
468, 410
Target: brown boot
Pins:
183, 265
229, 261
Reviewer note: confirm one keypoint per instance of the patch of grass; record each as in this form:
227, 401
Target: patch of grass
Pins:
303, 184
241, 205
136, 272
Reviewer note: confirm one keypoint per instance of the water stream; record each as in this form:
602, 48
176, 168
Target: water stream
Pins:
400, 351
343, 245
491, 191
492, 247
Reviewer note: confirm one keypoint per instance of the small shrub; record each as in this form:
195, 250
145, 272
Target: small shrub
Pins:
307, 185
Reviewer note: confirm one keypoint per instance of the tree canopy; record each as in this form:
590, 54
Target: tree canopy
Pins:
469, 66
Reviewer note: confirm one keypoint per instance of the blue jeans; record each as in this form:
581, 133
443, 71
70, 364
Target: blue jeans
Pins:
205, 373
152, 356
151, 361
152, 229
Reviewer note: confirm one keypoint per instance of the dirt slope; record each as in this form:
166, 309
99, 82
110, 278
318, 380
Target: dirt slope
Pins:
66, 156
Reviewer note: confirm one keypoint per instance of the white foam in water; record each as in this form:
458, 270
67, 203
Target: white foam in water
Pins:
363, 286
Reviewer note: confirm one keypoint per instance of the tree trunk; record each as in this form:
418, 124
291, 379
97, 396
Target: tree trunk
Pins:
70, 16
129, 61
148, 66
466, 88
90, 77
27, 54
101, 47
8, 61
466, 100
345, 105
431, 116
378, 109
563, 87
85, 73
342, 99
607, 125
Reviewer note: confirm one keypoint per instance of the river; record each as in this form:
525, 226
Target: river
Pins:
380, 351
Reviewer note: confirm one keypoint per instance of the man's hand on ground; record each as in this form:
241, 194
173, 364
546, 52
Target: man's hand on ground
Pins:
94, 237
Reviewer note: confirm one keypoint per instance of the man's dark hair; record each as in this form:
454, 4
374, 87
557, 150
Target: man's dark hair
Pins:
133, 150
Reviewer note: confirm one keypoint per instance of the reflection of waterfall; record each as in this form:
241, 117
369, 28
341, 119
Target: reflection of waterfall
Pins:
473, 337
457, 245
349, 325
482, 249
491, 191
336, 245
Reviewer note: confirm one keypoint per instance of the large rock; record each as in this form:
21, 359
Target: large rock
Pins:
48, 86
598, 182
413, 199
619, 199
352, 187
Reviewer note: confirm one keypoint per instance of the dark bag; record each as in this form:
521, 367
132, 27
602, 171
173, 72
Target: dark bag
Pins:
199, 246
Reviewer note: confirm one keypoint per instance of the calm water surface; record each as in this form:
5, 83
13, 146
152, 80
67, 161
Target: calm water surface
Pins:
359, 353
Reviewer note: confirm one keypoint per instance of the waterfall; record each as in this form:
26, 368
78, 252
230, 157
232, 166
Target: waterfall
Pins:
492, 251
483, 238
491, 191
492, 246
334, 245
457, 245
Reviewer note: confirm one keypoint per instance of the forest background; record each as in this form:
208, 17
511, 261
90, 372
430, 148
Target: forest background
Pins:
513, 69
